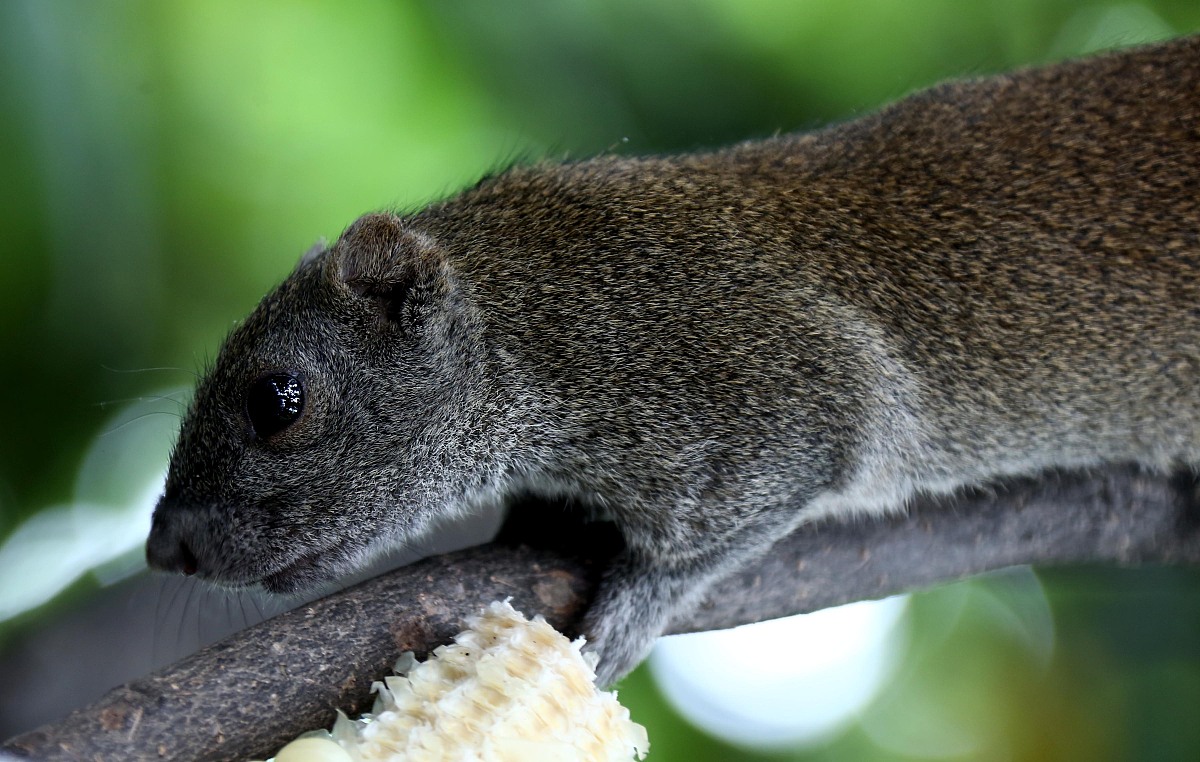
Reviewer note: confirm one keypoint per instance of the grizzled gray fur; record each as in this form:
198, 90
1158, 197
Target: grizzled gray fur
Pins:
991, 277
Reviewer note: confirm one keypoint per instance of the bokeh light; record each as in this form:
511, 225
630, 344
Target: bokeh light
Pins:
102, 531
792, 681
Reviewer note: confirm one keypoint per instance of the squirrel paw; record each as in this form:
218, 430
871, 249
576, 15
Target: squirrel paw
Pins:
628, 615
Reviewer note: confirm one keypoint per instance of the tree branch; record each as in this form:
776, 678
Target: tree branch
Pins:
248, 695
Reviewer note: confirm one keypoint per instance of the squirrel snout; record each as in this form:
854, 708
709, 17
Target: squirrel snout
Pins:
167, 549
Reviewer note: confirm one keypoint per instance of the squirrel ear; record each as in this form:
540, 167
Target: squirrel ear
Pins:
403, 271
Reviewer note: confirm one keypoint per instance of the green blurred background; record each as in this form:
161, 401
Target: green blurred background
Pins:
165, 163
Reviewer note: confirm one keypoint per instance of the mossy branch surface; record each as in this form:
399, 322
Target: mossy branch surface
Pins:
251, 693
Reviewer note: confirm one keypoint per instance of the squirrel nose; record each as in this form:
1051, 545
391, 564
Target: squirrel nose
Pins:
166, 548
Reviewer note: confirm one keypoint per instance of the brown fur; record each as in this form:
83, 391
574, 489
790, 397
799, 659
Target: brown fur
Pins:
988, 278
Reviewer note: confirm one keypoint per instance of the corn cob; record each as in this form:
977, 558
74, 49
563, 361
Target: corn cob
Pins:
507, 689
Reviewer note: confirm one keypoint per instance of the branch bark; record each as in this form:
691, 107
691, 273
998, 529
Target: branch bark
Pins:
248, 695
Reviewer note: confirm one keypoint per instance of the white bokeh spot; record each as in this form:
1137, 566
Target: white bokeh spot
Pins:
798, 680
103, 530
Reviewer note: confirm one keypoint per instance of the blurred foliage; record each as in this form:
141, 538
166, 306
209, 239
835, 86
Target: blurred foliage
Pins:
165, 163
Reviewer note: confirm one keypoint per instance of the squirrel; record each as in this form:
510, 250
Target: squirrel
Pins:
992, 277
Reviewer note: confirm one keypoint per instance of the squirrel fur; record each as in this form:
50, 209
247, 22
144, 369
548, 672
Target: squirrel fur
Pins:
988, 278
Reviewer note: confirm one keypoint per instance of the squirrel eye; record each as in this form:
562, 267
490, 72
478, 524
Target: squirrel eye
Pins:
273, 403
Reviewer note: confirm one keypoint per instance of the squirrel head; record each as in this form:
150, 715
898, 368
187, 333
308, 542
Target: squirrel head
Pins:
326, 426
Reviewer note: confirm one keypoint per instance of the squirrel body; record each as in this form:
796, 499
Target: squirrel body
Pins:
988, 278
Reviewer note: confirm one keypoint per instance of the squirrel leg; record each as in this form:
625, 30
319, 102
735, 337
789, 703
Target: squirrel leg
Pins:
640, 593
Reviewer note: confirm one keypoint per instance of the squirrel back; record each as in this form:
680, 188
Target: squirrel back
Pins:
990, 277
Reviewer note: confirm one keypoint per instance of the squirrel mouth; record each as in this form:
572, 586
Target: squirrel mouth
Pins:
298, 575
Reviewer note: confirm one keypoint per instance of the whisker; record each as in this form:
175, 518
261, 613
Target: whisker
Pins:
226, 597
257, 609
204, 623
158, 600
144, 398
137, 418
163, 617
241, 599
163, 369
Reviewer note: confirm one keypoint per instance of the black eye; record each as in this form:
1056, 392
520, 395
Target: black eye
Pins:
273, 403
